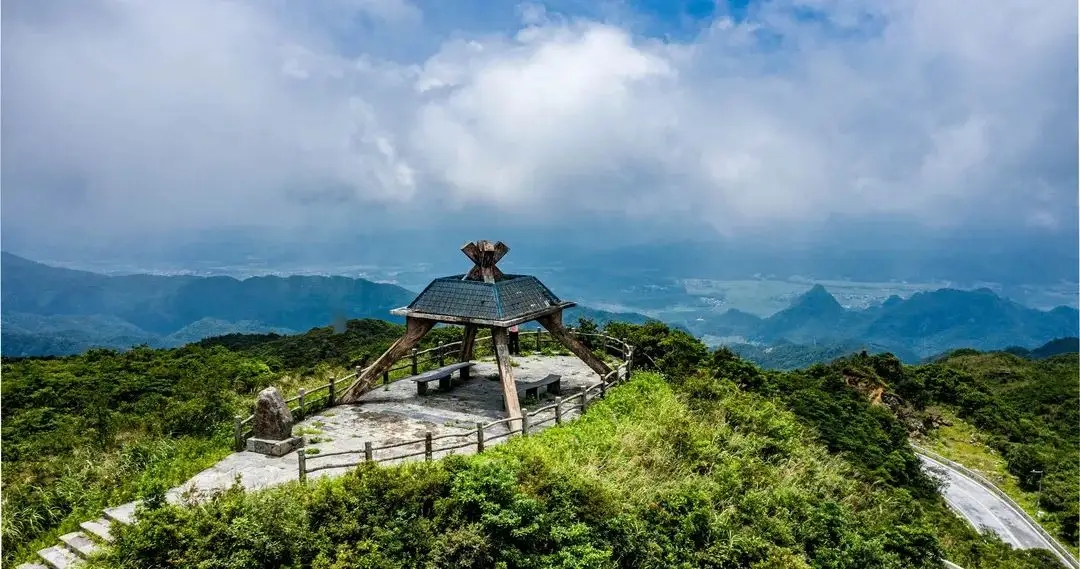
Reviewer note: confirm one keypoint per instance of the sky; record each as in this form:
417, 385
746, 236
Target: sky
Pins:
130, 121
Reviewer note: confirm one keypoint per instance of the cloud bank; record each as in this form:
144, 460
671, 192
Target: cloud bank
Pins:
122, 116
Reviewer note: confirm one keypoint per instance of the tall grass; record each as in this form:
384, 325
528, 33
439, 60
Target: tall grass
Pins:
645, 479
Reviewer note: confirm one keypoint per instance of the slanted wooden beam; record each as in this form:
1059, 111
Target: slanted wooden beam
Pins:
554, 325
468, 342
415, 330
501, 339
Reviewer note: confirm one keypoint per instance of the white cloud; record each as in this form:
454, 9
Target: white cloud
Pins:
203, 113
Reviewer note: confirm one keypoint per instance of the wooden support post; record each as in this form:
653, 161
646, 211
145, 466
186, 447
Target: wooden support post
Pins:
330, 399
427, 446
538, 340
584, 401
554, 325
386, 380
302, 410
367, 451
558, 410
415, 330
603, 385
501, 339
301, 463
525, 425
479, 437
415, 364
468, 342
238, 434
629, 360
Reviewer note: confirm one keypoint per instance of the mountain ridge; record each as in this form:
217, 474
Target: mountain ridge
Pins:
927, 323
57, 311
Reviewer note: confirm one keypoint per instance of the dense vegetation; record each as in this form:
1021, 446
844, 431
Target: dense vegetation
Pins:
658, 475
84, 432
1029, 409
713, 463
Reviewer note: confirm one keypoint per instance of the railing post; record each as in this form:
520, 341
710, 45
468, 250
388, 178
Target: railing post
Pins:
415, 367
479, 437
367, 451
538, 341
603, 384
301, 463
525, 424
558, 410
629, 360
584, 402
386, 380
238, 433
330, 398
427, 446
303, 392
442, 356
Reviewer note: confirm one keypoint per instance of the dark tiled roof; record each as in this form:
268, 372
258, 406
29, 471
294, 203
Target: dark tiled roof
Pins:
512, 297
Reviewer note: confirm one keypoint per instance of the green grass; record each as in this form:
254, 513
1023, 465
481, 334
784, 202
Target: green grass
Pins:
91, 481
648, 478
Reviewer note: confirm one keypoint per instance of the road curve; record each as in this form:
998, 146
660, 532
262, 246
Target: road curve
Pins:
985, 510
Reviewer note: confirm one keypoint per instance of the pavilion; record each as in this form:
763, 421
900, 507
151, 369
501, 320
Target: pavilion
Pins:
482, 298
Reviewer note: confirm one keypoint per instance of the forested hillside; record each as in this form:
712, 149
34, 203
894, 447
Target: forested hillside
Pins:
1030, 410
709, 462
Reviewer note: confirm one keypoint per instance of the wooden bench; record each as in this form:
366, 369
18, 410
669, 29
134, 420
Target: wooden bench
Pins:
532, 388
442, 375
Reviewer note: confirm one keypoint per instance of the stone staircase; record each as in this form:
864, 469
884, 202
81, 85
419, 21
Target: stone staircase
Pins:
77, 546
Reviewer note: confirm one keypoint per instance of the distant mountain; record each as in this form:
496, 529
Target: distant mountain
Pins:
926, 323
1048, 350
54, 311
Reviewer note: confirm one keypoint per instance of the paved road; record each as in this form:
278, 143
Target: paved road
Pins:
984, 510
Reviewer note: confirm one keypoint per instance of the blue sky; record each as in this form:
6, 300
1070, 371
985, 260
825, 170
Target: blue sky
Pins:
126, 122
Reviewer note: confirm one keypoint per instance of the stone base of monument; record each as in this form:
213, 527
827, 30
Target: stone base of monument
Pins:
274, 448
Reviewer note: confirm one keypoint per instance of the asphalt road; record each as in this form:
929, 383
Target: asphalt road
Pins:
984, 510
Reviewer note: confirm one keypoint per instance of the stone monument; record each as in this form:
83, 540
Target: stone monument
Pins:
272, 426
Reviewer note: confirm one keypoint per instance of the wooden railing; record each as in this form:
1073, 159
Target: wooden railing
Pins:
479, 437
418, 361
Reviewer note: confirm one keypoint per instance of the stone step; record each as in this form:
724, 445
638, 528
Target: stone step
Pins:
31, 566
58, 557
78, 542
124, 513
98, 529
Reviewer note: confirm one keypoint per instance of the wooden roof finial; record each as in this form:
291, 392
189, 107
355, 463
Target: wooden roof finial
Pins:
484, 255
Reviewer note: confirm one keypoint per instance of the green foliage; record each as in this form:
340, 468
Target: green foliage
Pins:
302, 353
1029, 409
714, 464
657, 346
649, 478
81, 433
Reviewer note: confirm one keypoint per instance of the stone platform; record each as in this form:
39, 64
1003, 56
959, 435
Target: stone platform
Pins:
396, 414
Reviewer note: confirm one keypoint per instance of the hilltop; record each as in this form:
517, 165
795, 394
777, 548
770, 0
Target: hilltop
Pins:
55, 311
703, 461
